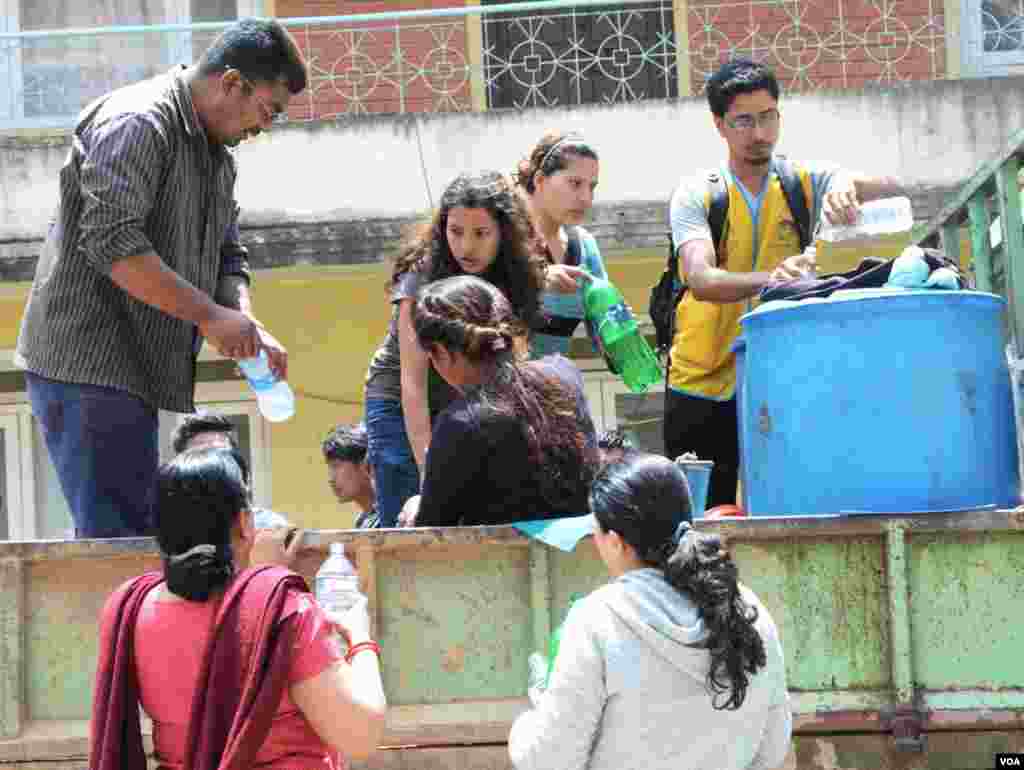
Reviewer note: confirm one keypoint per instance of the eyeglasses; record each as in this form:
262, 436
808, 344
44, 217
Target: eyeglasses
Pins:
768, 119
275, 117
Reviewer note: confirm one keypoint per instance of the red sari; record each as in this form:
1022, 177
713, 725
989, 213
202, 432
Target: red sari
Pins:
242, 678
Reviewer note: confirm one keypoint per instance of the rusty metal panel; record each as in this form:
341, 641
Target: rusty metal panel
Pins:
455, 622
579, 572
945, 751
459, 610
968, 611
828, 598
62, 608
12, 648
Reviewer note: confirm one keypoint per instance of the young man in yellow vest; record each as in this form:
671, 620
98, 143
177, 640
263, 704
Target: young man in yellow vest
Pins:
760, 243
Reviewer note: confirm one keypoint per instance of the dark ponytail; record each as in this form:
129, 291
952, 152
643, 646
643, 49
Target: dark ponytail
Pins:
646, 500
468, 315
199, 495
701, 569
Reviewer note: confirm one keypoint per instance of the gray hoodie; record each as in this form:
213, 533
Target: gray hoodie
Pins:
628, 690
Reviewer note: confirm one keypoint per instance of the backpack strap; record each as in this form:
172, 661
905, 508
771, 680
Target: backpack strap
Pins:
792, 188
672, 263
718, 210
718, 207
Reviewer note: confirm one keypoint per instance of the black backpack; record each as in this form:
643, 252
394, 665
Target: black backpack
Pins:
667, 292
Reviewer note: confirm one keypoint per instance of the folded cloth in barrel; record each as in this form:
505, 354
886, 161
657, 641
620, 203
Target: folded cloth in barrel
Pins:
871, 273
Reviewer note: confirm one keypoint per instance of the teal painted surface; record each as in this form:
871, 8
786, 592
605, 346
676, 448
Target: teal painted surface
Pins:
1013, 244
981, 250
455, 623
11, 649
578, 572
899, 613
62, 609
967, 611
828, 598
457, 612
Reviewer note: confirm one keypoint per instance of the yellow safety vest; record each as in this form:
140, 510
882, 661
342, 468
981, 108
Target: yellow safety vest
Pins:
703, 363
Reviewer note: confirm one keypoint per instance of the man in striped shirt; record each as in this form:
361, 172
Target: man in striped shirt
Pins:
143, 261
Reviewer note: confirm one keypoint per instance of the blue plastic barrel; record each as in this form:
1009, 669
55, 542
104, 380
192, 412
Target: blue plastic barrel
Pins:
698, 479
884, 401
740, 349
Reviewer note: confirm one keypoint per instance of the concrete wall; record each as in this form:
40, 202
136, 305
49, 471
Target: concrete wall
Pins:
338, 193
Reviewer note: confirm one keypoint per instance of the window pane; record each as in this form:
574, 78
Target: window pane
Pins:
1002, 23
62, 74
579, 55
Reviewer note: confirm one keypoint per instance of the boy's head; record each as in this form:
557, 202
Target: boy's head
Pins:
348, 470
204, 430
744, 100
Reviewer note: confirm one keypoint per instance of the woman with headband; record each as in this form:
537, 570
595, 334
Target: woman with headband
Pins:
481, 228
558, 178
673, 665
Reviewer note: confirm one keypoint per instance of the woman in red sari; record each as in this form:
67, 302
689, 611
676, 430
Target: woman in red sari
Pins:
237, 666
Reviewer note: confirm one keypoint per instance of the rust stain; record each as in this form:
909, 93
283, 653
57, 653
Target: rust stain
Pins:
454, 659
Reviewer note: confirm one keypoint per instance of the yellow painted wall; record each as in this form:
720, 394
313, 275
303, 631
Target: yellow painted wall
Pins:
331, 320
11, 304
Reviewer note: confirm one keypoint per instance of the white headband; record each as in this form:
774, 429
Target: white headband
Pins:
570, 138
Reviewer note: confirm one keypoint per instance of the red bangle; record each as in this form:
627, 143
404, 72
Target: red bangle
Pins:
358, 648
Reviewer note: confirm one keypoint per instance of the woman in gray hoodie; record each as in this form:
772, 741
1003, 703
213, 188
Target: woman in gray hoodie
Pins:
673, 664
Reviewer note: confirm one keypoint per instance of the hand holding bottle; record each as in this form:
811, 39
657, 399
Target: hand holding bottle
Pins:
275, 397
799, 266
353, 623
276, 545
277, 354
565, 279
620, 339
879, 217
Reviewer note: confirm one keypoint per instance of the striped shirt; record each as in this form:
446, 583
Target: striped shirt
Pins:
141, 177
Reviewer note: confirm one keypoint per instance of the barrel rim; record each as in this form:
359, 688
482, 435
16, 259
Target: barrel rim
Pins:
792, 306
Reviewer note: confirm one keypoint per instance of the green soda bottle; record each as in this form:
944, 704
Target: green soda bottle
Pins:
620, 335
556, 640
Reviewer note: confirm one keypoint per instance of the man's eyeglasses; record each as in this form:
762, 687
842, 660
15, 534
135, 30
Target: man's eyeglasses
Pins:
768, 119
275, 117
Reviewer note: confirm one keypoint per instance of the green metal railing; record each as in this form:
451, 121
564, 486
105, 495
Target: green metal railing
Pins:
509, 55
989, 204
352, 18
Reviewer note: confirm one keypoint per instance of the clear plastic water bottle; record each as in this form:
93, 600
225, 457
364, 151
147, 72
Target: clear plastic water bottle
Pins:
881, 217
337, 583
264, 518
620, 335
275, 397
